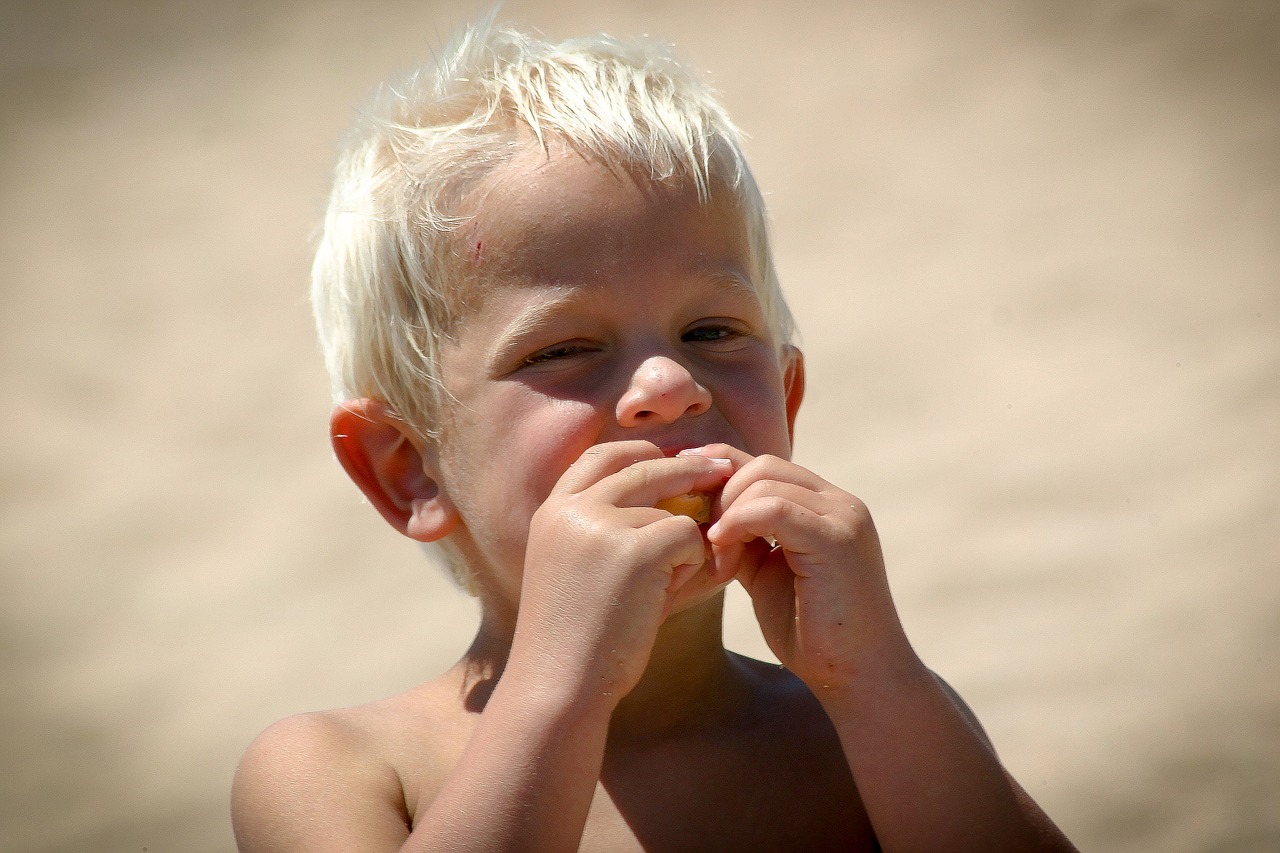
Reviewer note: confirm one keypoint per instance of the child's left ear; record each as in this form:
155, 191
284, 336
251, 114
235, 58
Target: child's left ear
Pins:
793, 383
394, 468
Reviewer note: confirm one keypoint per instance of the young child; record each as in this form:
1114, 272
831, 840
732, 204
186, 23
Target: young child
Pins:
547, 302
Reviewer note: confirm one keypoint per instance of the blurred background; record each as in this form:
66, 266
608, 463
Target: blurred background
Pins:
1034, 249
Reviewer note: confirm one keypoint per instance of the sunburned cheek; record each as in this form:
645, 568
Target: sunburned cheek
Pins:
551, 443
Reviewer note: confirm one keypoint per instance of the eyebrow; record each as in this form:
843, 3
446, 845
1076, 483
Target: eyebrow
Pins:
529, 318
507, 341
733, 284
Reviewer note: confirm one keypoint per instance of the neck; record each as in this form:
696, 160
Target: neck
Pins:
690, 678
689, 681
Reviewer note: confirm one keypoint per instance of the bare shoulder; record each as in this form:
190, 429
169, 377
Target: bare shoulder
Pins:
351, 779
318, 781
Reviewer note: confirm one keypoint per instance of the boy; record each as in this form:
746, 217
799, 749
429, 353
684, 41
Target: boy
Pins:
548, 305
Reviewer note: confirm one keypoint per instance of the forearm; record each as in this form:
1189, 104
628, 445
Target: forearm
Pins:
526, 778
926, 774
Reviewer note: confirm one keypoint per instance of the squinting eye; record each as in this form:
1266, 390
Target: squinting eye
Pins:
711, 334
556, 352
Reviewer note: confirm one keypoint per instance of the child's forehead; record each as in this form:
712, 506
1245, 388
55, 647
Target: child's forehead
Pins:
557, 210
520, 305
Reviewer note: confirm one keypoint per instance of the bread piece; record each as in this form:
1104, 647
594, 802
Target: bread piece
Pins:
694, 505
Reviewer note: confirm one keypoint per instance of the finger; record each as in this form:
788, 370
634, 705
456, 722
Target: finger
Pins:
681, 575
721, 451
737, 560
796, 527
699, 586
804, 496
727, 561
737, 457
648, 481
775, 469
772, 590
677, 546
602, 460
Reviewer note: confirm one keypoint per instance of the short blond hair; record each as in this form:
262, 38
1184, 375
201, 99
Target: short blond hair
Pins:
383, 288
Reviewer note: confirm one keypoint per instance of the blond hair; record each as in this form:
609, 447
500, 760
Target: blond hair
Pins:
383, 288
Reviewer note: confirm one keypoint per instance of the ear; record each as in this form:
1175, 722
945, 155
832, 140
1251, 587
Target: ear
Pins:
793, 383
394, 468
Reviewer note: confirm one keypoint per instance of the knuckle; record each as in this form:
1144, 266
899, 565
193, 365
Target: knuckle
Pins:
636, 476
762, 490
860, 524
775, 504
677, 529
759, 464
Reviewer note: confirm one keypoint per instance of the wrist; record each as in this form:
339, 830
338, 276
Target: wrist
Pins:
557, 686
873, 682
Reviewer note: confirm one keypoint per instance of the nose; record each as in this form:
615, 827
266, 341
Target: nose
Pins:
661, 391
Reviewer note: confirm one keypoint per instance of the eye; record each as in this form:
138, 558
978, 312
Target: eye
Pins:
720, 335
558, 352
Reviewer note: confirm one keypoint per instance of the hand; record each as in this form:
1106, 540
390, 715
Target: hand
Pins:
808, 555
603, 566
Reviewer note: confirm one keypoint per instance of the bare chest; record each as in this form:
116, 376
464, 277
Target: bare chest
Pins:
775, 781
776, 799
728, 828
773, 797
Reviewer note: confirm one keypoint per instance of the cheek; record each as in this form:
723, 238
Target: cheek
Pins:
521, 451
555, 439
758, 410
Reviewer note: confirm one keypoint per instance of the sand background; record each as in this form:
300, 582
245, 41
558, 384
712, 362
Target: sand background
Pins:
1034, 249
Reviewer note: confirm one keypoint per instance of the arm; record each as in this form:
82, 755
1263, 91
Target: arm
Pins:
925, 770
312, 783
602, 567
927, 773
526, 778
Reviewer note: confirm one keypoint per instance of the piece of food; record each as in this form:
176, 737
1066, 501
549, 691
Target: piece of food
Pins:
694, 505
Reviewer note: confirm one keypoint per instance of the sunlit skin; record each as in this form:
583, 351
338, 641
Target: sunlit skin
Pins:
627, 317
613, 354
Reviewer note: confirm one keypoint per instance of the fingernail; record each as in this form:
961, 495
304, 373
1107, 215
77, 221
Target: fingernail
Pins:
699, 451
